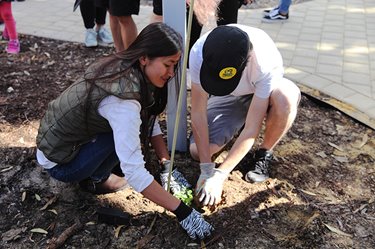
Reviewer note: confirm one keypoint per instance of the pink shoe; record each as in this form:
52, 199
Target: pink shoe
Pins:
5, 34
13, 47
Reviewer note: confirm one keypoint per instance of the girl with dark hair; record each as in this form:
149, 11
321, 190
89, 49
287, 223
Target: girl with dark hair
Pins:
108, 118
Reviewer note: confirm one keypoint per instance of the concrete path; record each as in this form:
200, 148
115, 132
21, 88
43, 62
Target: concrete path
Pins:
328, 46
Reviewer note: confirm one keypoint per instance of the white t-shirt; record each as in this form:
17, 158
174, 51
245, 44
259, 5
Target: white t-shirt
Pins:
263, 71
124, 118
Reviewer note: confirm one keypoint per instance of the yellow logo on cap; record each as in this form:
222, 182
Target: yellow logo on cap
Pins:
227, 73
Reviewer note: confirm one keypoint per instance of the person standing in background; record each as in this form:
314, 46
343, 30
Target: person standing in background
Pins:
10, 32
279, 13
93, 15
157, 11
123, 28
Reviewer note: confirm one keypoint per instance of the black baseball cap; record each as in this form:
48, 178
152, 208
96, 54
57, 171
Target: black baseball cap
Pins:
225, 53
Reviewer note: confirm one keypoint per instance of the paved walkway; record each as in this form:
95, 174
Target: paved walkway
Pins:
328, 46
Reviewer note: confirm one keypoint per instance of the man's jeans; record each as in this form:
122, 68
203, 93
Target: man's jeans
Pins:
284, 6
95, 160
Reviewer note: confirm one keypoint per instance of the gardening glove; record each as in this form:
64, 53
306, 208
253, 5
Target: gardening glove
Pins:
207, 170
192, 222
210, 191
178, 182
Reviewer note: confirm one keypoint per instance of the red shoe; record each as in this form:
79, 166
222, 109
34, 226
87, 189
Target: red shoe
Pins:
13, 47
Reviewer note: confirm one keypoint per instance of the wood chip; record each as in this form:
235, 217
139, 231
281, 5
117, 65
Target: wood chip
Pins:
336, 230
12, 234
117, 230
52, 211
6, 169
38, 230
335, 146
308, 192
360, 144
341, 159
360, 208
59, 241
144, 241
321, 154
52, 200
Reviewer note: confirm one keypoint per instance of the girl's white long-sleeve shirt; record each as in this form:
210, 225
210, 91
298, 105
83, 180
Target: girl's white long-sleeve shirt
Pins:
125, 121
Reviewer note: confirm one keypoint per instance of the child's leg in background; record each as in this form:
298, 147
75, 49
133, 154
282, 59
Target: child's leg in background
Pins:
104, 36
92, 15
2, 22
10, 24
5, 33
100, 15
87, 9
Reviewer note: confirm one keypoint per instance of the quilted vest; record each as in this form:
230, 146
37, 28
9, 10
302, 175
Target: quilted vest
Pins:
72, 119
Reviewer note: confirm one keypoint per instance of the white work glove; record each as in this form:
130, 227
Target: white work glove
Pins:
211, 190
207, 170
192, 222
178, 182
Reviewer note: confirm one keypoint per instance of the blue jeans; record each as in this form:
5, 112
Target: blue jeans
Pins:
95, 160
284, 6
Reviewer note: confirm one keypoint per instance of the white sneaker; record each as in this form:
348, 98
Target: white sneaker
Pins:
104, 37
91, 38
275, 16
267, 12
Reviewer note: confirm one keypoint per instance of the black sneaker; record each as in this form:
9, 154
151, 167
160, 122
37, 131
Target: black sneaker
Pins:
262, 158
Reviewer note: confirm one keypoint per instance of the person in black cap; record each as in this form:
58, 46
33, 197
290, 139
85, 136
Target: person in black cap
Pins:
237, 82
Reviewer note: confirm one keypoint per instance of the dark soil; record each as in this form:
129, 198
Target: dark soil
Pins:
321, 194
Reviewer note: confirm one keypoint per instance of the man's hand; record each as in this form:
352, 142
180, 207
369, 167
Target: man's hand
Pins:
211, 190
195, 226
178, 182
207, 170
